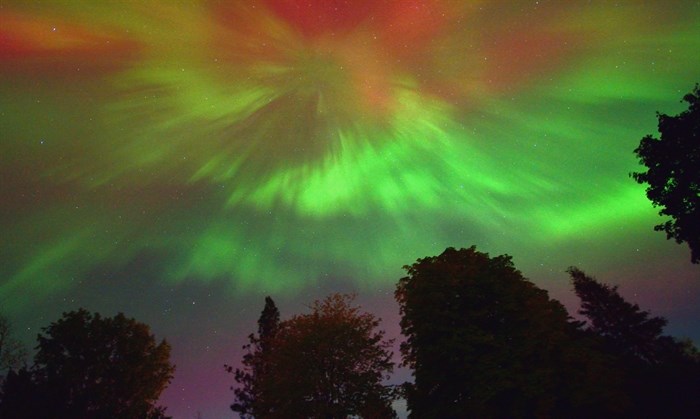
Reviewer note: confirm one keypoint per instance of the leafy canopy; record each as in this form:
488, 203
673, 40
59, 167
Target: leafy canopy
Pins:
12, 353
483, 341
673, 173
92, 366
328, 363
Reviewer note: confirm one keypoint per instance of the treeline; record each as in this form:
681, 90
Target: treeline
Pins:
482, 341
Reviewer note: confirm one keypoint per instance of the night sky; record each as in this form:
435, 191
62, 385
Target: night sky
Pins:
180, 160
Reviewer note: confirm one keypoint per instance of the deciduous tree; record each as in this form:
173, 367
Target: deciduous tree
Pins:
326, 364
12, 352
673, 173
483, 341
95, 367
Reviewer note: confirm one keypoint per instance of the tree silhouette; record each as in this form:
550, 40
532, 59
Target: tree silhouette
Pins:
12, 353
673, 175
21, 397
249, 399
662, 374
268, 323
485, 342
88, 366
626, 328
326, 364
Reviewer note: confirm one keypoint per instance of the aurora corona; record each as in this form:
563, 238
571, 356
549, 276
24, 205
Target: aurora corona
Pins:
270, 145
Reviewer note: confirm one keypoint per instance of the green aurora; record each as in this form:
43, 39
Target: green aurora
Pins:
248, 145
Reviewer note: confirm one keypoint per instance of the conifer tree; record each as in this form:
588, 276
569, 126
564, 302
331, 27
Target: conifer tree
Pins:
625, 327
249, 395
661, 374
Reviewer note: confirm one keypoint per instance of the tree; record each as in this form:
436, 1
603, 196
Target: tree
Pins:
12, 353
673, 174
248, 397
627, 329
93, 367
483, 341
268, 323
326, 364
662, 374
20, 397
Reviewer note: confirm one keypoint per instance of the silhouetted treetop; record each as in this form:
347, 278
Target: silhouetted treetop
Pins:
329, 363
250, 398
673, 173
622, 324
92, 367
268, 323
661, 374
483, 341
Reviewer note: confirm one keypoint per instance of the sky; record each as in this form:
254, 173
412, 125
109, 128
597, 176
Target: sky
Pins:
178, 161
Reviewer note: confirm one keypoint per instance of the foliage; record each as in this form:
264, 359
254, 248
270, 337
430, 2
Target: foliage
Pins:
12, 353
20, 396
662, 374
623, 326
326, 364
249, 400
485, 342
88, 366
673, 174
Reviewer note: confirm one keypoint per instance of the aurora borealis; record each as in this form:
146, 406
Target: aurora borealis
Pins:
178, 161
